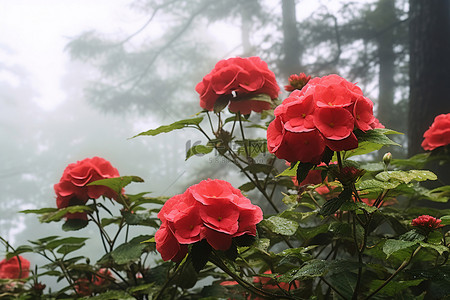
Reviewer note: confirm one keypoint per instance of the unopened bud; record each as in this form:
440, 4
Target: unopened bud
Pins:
387, 159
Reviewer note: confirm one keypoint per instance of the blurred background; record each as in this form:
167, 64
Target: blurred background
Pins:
79, 78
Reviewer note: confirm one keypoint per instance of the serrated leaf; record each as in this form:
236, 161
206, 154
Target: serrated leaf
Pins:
117, 183
406, 176
199, 150
168, 128
391, 246
377, 136
281, 225
376, 184
439, 248
131, 251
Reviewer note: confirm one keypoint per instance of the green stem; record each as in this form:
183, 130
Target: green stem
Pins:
242, 134
215, 259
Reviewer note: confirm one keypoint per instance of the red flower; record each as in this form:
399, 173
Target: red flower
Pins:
427, 223
438, 134
329, 109
73, 188
297, 82
12, 269
213, 210
85, 286
237, 80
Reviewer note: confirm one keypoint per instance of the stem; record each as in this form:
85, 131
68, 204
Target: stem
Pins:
242, 134
339, 159
170, 278
402, 266
210, 122
215, 259
332, 287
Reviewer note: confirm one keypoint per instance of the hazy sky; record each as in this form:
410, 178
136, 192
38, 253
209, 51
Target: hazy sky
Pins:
35, 32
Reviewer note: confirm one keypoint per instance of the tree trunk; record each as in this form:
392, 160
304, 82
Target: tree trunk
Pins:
291, 43
429, 67
386, 55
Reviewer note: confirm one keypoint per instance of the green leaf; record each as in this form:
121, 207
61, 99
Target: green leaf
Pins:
332, 205
439, 248
303, 170
113, 295
68, 248
60, 213
221, 103
19, 250
70, 241
417, 161
117, 183
176, 125
376, 184
40, 211
445, 220
198, 150
259, 168
200, 252
394, 287
291, 171
131, 251
391, 246
406, 176
377, 136
247, 186
260, 97
281, 225
74, 224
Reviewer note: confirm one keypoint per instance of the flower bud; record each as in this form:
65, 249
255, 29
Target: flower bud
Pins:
297, 82
387, 159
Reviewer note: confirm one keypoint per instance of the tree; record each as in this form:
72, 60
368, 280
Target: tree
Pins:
429, 28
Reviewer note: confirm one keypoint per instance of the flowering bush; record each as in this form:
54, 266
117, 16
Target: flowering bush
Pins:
438, 134
238, 81
349, 230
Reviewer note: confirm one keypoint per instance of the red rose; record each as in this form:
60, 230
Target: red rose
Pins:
438, 134
427, 223
213, 210
237, 80
322, 114
73, 188
12, 269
